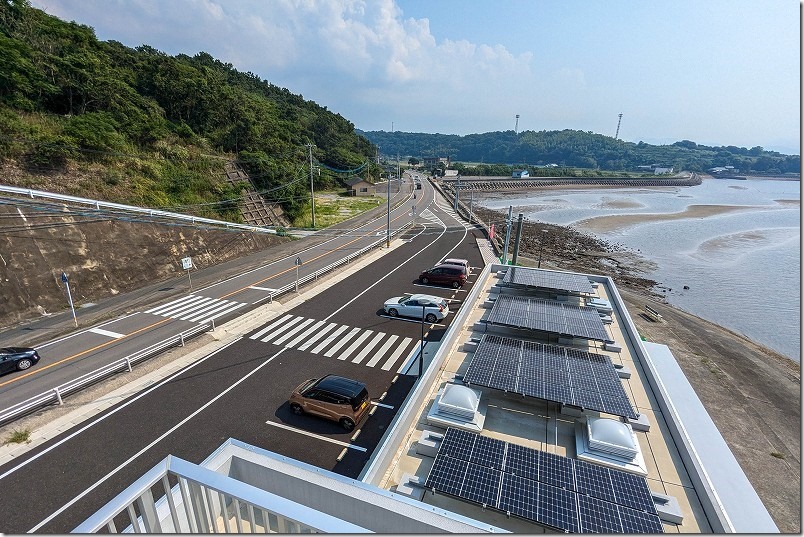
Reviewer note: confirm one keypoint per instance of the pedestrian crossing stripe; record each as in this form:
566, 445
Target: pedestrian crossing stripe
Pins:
196, 308
337, 341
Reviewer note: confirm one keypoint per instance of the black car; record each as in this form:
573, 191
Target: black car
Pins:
17, 358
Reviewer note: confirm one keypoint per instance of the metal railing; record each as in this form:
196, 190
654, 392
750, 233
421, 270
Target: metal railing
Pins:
56, 395
131, 208
204, 501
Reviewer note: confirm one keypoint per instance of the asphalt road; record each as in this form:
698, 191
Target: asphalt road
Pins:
241, 391
80, 353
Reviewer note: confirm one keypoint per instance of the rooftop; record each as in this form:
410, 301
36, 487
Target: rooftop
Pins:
660, 437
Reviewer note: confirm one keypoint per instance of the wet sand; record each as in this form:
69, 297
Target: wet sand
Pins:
608, 223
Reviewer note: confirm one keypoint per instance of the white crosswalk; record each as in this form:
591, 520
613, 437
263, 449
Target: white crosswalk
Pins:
342, 342
195, 308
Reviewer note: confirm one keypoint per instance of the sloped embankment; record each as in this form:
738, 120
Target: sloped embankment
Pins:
102, 254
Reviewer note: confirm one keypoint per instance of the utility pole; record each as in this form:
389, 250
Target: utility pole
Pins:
507, 234
312, 195
518, 237
616, 134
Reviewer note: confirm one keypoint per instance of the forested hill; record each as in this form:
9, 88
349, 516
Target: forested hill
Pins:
570, 148
140, 126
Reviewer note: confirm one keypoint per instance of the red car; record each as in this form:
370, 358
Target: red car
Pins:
443, 274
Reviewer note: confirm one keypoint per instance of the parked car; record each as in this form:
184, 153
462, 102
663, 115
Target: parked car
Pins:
452, 275
435, 307
17, 358
335, 398
460, 262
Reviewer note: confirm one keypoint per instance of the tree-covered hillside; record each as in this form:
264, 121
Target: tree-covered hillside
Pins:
569, 148
152, 129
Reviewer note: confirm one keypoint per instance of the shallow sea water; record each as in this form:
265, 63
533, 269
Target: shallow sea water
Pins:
742, 266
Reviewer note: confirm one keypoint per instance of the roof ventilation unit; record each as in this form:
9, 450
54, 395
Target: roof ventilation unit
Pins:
457, 406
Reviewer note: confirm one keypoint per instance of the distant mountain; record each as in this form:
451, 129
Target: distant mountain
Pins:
570, 148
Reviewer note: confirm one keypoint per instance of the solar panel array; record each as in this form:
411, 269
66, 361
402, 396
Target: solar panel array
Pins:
558, 281
550, 372
561, 493
548, 316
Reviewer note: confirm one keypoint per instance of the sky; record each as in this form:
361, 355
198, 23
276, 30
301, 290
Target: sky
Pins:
717, 72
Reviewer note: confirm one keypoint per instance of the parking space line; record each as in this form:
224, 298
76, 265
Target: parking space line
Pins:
313, 435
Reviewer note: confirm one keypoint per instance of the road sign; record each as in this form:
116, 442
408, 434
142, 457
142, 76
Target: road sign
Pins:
298, 261
64, 277
187, 263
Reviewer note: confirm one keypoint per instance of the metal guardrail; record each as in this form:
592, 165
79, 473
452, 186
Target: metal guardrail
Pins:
131, 208
56, 395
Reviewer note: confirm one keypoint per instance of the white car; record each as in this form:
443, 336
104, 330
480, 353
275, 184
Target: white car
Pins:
435, 307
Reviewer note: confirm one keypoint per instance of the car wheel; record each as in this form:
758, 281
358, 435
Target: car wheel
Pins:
392, 312
296, 409
455, 285
431, 318
425, 281
347, 424
24, 364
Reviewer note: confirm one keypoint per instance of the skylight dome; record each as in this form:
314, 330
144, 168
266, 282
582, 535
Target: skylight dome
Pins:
459, 400
611, 436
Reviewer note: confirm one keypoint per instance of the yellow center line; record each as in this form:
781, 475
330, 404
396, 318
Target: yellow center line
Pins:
311, 259
74, 356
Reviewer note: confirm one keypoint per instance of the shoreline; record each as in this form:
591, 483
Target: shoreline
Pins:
751, 392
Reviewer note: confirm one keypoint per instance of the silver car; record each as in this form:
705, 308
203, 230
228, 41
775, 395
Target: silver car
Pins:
435, 307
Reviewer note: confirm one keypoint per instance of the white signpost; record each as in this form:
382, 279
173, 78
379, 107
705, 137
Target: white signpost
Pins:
187, 264
298, 264
69, 296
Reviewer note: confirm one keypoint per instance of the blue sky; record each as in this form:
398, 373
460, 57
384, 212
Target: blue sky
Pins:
717, 72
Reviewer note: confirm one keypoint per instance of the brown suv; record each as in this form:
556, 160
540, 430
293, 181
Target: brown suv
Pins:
444, 274
332, 397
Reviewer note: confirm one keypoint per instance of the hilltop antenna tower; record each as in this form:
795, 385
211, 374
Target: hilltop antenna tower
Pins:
616, 134
516, 126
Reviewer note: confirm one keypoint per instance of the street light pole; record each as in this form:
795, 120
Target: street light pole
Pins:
421, 348
312, 195
541, 247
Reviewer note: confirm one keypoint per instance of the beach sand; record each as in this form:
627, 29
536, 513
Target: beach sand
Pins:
609, 223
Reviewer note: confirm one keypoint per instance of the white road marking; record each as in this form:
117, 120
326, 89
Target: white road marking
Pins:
313, 435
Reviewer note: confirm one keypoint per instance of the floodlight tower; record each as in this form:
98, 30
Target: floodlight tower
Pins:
618, 126
516, 126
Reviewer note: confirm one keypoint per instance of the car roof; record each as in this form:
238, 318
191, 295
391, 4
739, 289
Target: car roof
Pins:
429, 298
455, 260
341, 385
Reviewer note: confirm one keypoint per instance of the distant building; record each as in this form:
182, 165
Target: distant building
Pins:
661, 171
360, 187
432, 162
520, 173
450, 173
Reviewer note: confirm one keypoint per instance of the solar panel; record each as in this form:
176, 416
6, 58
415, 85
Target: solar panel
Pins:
556, 470
557, 508
634, 521
550, 372
488, 452
548, 316
551, 490
481, 485
537, 278
447, 475
598, 516
519, 496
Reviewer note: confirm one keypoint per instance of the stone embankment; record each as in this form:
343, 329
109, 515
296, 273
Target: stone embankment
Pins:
492, 184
